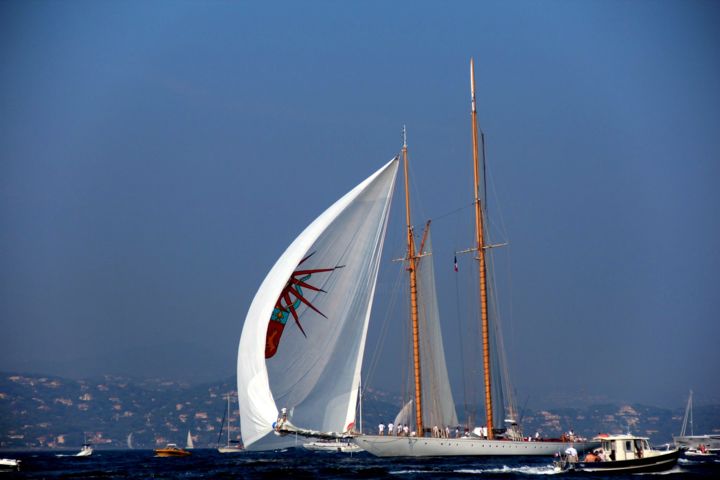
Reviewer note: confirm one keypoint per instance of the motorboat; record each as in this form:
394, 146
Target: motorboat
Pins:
620, 454
171, 450
702, 451
85, 451
8, 463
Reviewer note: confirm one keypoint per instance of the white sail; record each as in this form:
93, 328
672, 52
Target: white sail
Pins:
311, 365
189, 443
437, 398
405, 415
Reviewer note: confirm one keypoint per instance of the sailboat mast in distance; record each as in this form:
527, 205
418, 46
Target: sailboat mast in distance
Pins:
480, 245
413, 294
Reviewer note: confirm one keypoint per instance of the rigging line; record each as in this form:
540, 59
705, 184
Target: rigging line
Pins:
497, 204
472, 325
406, 351
374, 360
500, 345
484, 164
462, 347
450, 212
417, 198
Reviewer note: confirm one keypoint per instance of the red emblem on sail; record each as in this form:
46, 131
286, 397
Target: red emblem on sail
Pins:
290, 299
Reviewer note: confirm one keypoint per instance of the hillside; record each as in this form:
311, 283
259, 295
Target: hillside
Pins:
53, 412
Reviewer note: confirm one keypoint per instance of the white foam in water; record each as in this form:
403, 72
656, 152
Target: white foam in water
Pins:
675, 469
410, 472
525, 470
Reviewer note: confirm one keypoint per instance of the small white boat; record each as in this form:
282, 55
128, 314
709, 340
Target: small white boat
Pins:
9, 463
702, 451
340, 446
85, 451
189, 445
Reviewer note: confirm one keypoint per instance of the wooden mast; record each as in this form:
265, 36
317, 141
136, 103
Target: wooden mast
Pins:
480, 245
412, 262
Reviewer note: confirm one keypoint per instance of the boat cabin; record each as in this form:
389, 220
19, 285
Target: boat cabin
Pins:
624, 447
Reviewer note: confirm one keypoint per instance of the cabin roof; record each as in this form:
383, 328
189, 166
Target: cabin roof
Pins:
624, 436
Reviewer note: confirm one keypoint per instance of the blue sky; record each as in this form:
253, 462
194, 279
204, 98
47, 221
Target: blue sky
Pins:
157, 157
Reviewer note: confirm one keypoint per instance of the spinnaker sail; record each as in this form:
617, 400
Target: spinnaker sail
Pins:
302, 343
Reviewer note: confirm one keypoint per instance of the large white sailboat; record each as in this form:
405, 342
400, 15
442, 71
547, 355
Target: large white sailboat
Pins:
430, 433
302, 379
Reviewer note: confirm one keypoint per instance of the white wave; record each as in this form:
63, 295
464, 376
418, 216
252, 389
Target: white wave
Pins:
410, 472
525, 470
675, 469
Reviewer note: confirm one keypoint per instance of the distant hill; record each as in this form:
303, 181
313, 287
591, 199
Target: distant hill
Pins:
53, 412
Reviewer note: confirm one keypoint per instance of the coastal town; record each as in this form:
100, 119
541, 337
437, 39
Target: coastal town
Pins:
45, 412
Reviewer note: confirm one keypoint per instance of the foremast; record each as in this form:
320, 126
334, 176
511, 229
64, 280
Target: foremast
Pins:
412, 270
480, 246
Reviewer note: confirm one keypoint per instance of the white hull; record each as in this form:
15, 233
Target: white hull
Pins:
85, 452
9, 463
711, 442
383, 446
343, 447
697, 453
230, 450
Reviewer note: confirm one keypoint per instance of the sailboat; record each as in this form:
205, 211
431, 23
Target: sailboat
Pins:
231, 446
422, 440
130, 445
189, 445
698, 445
302, 343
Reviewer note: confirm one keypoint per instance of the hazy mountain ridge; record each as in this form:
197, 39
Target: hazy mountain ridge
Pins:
53, 412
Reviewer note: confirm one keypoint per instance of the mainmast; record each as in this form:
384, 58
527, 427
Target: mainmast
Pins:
412, 263
480, 246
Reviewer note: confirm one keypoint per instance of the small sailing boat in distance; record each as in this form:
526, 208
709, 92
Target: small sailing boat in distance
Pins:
695, 445
189, 445
232, 446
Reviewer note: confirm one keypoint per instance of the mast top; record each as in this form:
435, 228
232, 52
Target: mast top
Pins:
404, 137
472, 84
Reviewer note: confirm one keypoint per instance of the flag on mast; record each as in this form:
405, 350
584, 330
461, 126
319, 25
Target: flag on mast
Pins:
456, 265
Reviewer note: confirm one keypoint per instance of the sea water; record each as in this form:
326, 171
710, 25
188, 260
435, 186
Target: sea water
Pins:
300, 463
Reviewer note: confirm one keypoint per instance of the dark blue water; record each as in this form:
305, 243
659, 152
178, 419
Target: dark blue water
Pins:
299, 463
